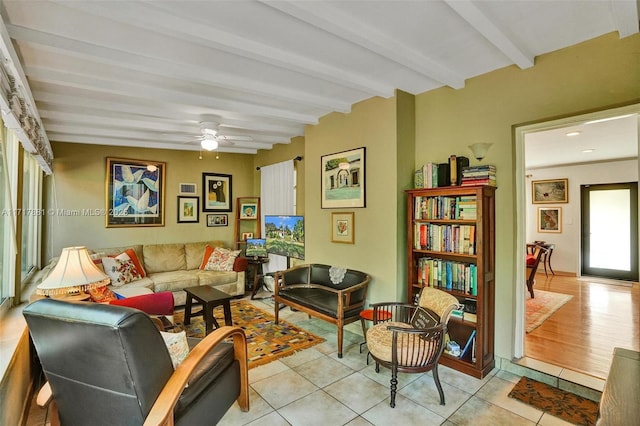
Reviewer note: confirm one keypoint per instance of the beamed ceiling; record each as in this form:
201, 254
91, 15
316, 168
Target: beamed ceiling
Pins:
146, 73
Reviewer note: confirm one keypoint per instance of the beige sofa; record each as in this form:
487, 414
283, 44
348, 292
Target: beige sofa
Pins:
172, 267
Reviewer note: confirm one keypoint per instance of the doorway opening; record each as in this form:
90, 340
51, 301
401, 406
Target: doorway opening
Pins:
571, 213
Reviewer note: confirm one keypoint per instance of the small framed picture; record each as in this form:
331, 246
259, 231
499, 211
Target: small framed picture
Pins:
216, 220
248, 211
550, 219
188, 209
342, 227
247, 235
550, 191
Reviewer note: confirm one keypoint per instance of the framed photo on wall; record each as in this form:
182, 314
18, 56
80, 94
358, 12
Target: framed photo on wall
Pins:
216, 192
342, 227
217, 220
343, 179
249, 211
550, 191
550, 219
134, 192
188, 209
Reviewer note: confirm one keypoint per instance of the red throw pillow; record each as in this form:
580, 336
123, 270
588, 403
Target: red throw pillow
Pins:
102, 295
531, 260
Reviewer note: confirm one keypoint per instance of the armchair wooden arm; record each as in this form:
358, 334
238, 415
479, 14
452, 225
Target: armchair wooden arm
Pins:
162, 411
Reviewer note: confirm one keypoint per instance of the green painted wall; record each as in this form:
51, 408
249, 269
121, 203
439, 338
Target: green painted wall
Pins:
371, 124
78, 182
588, 76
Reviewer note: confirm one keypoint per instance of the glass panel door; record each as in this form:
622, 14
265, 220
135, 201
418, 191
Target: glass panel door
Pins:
610, 231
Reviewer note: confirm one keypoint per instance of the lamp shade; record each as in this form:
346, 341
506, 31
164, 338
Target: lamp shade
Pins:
74, 272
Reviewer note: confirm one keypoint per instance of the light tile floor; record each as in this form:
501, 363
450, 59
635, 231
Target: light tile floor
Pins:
315, 387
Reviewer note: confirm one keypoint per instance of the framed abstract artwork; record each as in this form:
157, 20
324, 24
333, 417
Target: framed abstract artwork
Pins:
134, 192
343, 179
216, 192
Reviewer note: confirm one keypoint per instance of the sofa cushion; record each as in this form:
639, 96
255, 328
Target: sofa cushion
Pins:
114, 251
143, 283
216, 277
174, 280
194, 252
164, 258
318, 300
120, 269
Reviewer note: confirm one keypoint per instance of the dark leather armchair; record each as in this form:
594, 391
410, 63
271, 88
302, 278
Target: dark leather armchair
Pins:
108, 365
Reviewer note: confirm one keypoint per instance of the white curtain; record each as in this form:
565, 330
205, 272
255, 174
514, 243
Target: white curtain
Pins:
277, 197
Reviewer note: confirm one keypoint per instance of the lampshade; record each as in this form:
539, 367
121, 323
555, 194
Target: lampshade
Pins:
74, 272
480, 150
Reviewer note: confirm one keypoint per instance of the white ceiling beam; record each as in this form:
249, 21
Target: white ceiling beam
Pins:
625, 16
158, 94
328, 18
157, 66
151, 16
60, 137
468, 10
87, 104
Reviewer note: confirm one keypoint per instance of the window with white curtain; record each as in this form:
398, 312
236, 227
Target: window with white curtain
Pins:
277, 197
31, 215
9, 183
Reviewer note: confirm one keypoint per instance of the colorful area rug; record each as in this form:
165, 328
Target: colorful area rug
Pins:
542, 307
566, 405
266, 341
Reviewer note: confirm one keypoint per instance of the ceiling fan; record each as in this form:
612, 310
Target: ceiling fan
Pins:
211, 139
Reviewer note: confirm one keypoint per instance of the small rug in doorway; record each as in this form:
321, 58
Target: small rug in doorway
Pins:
266, 340
568, 406
541, 307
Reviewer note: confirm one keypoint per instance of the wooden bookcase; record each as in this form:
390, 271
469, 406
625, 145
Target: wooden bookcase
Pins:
466, 242
247, 219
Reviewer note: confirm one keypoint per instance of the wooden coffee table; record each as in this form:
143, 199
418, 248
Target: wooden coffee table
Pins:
209, 298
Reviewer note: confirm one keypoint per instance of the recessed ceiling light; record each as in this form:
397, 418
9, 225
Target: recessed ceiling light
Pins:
574, 133
586, 151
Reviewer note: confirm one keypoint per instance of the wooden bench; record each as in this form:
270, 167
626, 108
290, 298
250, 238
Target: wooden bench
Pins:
620, 402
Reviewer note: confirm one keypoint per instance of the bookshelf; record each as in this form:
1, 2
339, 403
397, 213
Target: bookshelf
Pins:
247, 219
451, 246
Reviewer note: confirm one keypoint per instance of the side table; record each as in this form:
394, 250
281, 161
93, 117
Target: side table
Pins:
209, 298
257, 268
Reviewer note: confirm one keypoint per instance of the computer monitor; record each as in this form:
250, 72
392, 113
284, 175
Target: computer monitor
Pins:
256, 247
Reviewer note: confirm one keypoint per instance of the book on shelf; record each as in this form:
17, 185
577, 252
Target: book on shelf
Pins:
468, 345
456, 165
446, 274
418, 179
468, 316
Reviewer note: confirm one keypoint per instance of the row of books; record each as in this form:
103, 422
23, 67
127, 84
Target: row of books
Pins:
479, 175
448, 275
459, 239
463, 207
437, 175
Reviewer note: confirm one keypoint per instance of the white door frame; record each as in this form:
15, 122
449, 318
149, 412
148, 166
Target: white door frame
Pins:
521, 203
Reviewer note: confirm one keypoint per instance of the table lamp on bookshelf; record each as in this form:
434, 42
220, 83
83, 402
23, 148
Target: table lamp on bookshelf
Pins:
74, 274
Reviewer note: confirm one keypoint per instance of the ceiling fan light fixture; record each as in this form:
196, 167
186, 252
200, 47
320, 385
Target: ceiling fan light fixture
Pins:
209, 143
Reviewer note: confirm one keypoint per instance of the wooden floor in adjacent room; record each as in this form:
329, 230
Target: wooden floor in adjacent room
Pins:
581, 335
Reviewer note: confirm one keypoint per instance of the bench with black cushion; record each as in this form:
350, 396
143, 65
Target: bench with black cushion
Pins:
309, 288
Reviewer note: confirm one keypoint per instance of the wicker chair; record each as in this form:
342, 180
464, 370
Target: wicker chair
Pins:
413, 339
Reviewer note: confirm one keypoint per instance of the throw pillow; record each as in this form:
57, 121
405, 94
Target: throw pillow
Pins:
97, 260
102, 295
177, 346
222, 259
120, 269
208, 250
134, 258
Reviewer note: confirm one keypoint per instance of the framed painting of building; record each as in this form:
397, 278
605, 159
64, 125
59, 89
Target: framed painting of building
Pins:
343, 179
